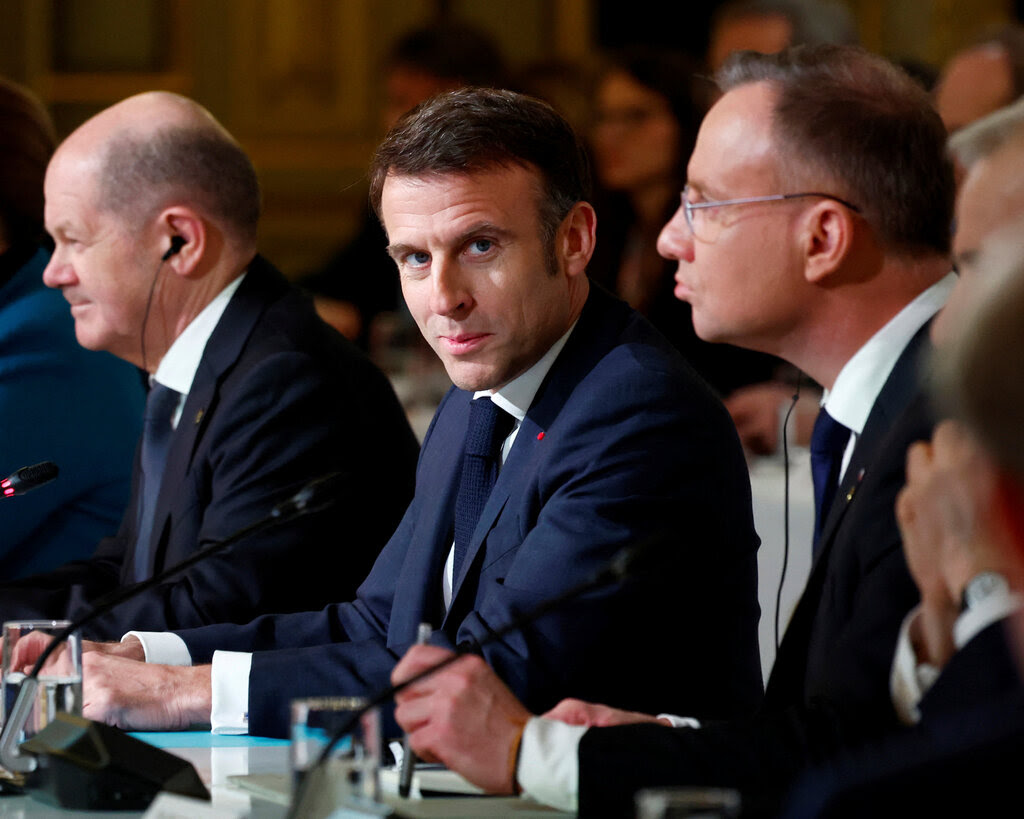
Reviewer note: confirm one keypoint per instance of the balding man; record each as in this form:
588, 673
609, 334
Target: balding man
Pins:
153, 209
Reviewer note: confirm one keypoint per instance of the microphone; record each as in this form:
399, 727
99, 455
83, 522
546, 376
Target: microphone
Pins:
629, 562
28, 478
313, 497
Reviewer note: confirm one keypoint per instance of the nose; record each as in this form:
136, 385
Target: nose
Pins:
58, 273
675, 240
449, 295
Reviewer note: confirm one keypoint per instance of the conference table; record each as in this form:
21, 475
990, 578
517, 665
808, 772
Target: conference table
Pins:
231, 765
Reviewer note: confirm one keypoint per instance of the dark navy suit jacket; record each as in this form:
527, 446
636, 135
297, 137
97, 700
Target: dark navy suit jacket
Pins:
828, 688
279, 399
622, 441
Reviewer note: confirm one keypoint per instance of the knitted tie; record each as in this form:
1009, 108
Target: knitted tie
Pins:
488, 427
828, 443
156, 438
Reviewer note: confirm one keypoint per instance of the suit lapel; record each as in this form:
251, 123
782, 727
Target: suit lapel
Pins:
601, 320
896, 395
262, 284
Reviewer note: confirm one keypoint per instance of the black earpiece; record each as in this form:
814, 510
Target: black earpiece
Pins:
177, 243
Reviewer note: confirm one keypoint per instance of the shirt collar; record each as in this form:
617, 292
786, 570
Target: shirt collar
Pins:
517, 395
861, 380
178, 367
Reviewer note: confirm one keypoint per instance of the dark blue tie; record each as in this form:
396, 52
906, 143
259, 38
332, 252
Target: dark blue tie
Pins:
828, 443
156, 438
489, 425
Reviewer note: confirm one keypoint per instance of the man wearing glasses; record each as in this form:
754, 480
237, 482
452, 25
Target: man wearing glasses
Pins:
815, 227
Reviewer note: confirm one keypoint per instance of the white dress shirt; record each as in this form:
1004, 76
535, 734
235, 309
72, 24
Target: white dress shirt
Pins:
549, 755
230, 671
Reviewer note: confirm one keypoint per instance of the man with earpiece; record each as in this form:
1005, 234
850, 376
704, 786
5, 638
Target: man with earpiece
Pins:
153, 209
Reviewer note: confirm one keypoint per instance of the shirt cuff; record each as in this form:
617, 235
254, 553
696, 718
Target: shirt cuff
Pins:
163, 647
994, 607
549, 766
680, 722
229, 678
909, 679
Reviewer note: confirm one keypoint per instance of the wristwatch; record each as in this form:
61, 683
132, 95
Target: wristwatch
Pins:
982, 586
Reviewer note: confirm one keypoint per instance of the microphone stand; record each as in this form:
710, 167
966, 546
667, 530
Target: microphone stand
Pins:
311, 498
622, 566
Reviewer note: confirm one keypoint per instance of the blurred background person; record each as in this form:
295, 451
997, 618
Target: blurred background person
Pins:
646, 121
981, 78
768, 26
359, 281
58, 401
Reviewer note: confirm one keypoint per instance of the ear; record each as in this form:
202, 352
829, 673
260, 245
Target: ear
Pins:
191, 232
826, 239
576, 239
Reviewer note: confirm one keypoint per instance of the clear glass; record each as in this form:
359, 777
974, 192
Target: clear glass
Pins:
687, 803
356, 757
60, 680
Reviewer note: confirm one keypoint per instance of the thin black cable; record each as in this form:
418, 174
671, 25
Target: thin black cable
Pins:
145, 315
785, 510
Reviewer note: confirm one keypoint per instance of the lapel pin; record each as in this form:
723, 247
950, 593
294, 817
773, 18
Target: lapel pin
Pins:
853, 489
199, 416
540, 436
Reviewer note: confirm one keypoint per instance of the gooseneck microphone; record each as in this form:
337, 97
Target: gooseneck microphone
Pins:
315, 496
28, 478
629, 562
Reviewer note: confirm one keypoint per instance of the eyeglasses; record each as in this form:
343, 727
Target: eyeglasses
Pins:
706, 230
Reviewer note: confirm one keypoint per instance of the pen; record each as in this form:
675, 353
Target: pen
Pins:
408, 757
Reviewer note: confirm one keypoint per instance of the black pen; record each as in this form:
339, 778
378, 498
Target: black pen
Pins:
408, 757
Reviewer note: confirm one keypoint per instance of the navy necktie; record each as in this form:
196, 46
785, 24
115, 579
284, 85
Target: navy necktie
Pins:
488, 427
828, 443
156, 438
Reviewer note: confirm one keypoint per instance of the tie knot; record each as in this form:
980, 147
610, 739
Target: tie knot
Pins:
488, 425
829, 436
160, 403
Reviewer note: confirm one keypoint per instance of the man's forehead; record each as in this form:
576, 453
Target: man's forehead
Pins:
736, 137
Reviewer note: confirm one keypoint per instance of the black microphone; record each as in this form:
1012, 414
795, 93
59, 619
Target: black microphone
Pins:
28, 478
629, 562
313, 497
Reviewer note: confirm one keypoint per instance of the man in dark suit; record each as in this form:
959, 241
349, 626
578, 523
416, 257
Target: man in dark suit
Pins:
153, 209
609, 438
798, 237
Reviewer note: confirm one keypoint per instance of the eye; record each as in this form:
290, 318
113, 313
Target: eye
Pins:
417, 259
478, 247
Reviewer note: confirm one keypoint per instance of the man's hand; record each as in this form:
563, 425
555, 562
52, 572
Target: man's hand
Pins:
463, 716
945, 514
143, 696
29, 647
592, 715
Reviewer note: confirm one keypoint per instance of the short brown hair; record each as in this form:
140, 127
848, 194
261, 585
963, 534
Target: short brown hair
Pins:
199, 164
476, 129
862, 121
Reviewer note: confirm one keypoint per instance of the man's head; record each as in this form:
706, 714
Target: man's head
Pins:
991, 196
26, 143
768, 26
153, 172
827, 120
482, 194
979, 374
982, 78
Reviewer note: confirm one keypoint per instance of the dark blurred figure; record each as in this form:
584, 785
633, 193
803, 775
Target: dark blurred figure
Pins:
645, 125
768, 26
359, 281
565, 85
58, 401
981, 78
